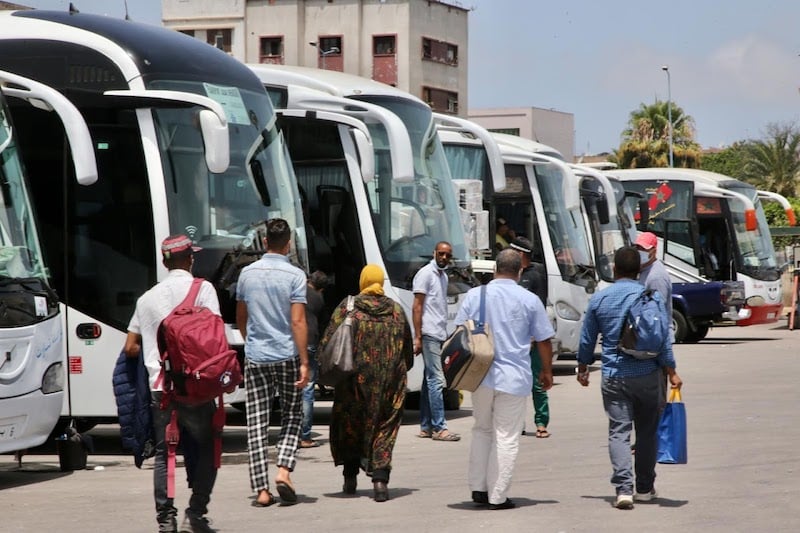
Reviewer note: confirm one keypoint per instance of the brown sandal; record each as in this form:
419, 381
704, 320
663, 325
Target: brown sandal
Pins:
271, 501
446, 436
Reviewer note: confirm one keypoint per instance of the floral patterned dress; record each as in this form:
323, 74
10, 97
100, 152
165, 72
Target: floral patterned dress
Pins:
368, 406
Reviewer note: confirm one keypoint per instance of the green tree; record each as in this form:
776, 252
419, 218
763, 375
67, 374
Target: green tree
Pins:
773, 164
645, 141
729, 161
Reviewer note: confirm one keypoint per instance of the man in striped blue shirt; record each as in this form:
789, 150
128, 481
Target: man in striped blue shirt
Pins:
633, 389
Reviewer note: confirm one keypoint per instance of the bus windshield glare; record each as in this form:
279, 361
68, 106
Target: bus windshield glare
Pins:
757, 255
20, 254
412, 217
218, 210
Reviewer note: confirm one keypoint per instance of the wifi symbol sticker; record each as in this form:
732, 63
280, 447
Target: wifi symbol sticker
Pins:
190, 231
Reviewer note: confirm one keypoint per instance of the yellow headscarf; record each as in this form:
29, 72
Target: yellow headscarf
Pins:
371, 281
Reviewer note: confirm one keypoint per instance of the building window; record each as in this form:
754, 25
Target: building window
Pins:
383, 45
220, 39
271, 50
330, 46
441, 100
439, 51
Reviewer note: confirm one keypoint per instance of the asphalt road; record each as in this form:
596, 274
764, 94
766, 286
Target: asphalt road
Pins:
742, 399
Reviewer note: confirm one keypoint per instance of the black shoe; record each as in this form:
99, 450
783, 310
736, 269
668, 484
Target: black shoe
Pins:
508, 504
350, 484
381, 491
480, 497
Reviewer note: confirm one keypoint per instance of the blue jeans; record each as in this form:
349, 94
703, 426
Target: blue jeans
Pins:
431, 399
633, 404
308, 394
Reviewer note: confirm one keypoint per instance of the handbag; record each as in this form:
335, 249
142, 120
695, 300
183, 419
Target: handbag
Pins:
336, 359
468, 352
672, 431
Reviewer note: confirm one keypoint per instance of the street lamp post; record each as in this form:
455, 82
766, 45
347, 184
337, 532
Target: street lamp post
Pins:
665, 68
324, 53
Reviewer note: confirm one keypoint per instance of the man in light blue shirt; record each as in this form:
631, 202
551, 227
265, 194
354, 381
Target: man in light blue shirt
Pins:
632, 389
429, 317
271, 316
515, 316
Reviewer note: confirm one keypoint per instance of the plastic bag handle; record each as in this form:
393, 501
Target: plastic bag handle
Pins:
675, 395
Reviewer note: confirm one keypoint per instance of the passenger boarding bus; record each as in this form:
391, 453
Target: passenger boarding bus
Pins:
541, 201
31, 331
712, 227
392, 218
186, 142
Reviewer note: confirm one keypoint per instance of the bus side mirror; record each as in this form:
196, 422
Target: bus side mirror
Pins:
366, 154
602, 210
216, 141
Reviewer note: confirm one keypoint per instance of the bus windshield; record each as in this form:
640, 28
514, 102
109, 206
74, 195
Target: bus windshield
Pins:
20, 254
218, 210
756, 253
565, 226
411, 217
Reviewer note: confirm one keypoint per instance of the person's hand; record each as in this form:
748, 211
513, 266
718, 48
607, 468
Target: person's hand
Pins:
676, 381
583, 377
546, 380
417, 346
303, 381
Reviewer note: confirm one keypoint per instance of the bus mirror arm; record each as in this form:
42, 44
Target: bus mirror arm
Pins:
216, 141
366, 154
644, 215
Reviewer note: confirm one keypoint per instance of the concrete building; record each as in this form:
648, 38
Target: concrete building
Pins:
419, 46
547, 126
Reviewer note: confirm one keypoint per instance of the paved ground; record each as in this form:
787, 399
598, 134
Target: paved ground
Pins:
741, 392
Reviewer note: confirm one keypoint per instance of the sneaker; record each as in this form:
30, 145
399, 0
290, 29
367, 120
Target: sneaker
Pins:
645, 496
168, 525
196, 524
624, 501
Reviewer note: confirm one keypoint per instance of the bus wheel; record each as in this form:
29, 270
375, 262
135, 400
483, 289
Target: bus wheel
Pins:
697, 335
679, 326
452, 400
412, 401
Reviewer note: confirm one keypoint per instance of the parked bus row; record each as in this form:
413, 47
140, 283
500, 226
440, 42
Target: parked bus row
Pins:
188, 140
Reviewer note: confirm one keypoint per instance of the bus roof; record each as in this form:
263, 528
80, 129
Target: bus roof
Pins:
331, 81
526, 145
682, 174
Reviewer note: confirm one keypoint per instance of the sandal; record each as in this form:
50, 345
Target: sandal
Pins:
271, 501
542, 433
309, 444
424, 434
446, 436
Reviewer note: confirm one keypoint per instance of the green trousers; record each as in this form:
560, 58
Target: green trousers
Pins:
541, 408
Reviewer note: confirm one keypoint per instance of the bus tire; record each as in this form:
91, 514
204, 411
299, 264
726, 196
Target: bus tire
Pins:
697, 335
452, 400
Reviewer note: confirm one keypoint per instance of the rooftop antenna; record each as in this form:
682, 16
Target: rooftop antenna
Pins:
72, 9
127, 17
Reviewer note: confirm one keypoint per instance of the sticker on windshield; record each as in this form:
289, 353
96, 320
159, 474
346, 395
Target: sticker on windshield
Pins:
230, 100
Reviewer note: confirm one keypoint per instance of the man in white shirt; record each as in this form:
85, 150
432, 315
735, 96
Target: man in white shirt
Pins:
195, 421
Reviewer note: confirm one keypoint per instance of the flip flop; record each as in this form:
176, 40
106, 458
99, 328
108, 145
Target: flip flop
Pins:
542, 433
272, 501
287, 493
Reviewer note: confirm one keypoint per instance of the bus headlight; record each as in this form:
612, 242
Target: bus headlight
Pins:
567, 312
755, 301
53, 380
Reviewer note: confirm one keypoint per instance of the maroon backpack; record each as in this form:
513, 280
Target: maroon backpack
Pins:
197, 365
197, 362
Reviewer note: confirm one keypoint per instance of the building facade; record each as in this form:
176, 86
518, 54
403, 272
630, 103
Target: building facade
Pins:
419, 46
547, 126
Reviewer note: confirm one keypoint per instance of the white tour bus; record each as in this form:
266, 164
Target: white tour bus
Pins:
186, 142
712, 227
31, 331
540, 200
392, 216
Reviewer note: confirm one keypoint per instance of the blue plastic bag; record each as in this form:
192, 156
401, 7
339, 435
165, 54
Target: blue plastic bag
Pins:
672, 431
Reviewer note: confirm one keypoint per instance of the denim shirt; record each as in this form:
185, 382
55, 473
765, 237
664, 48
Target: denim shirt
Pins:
605, 315
269, 287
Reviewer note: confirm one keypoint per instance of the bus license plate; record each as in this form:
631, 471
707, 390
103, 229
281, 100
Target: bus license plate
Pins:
7, 431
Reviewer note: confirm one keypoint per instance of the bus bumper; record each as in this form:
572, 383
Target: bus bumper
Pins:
762, 314
26, 421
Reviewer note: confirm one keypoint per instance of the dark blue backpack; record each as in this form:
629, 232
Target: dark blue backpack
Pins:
646, 327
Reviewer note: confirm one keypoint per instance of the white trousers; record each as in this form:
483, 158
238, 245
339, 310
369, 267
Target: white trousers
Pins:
499, 419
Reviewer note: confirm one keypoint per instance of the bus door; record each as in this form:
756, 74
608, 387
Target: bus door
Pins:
714, 239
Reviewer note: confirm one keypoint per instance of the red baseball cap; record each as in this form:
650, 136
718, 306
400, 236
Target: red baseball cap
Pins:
646, 240
177, 244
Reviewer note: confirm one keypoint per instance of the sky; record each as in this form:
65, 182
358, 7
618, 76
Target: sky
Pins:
734, 66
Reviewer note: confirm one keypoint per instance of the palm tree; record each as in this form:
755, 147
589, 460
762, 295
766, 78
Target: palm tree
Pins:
645, 142
773, 164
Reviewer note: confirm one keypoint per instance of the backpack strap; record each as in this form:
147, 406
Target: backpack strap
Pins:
172, 435
217, 425
194, 291
479, 327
